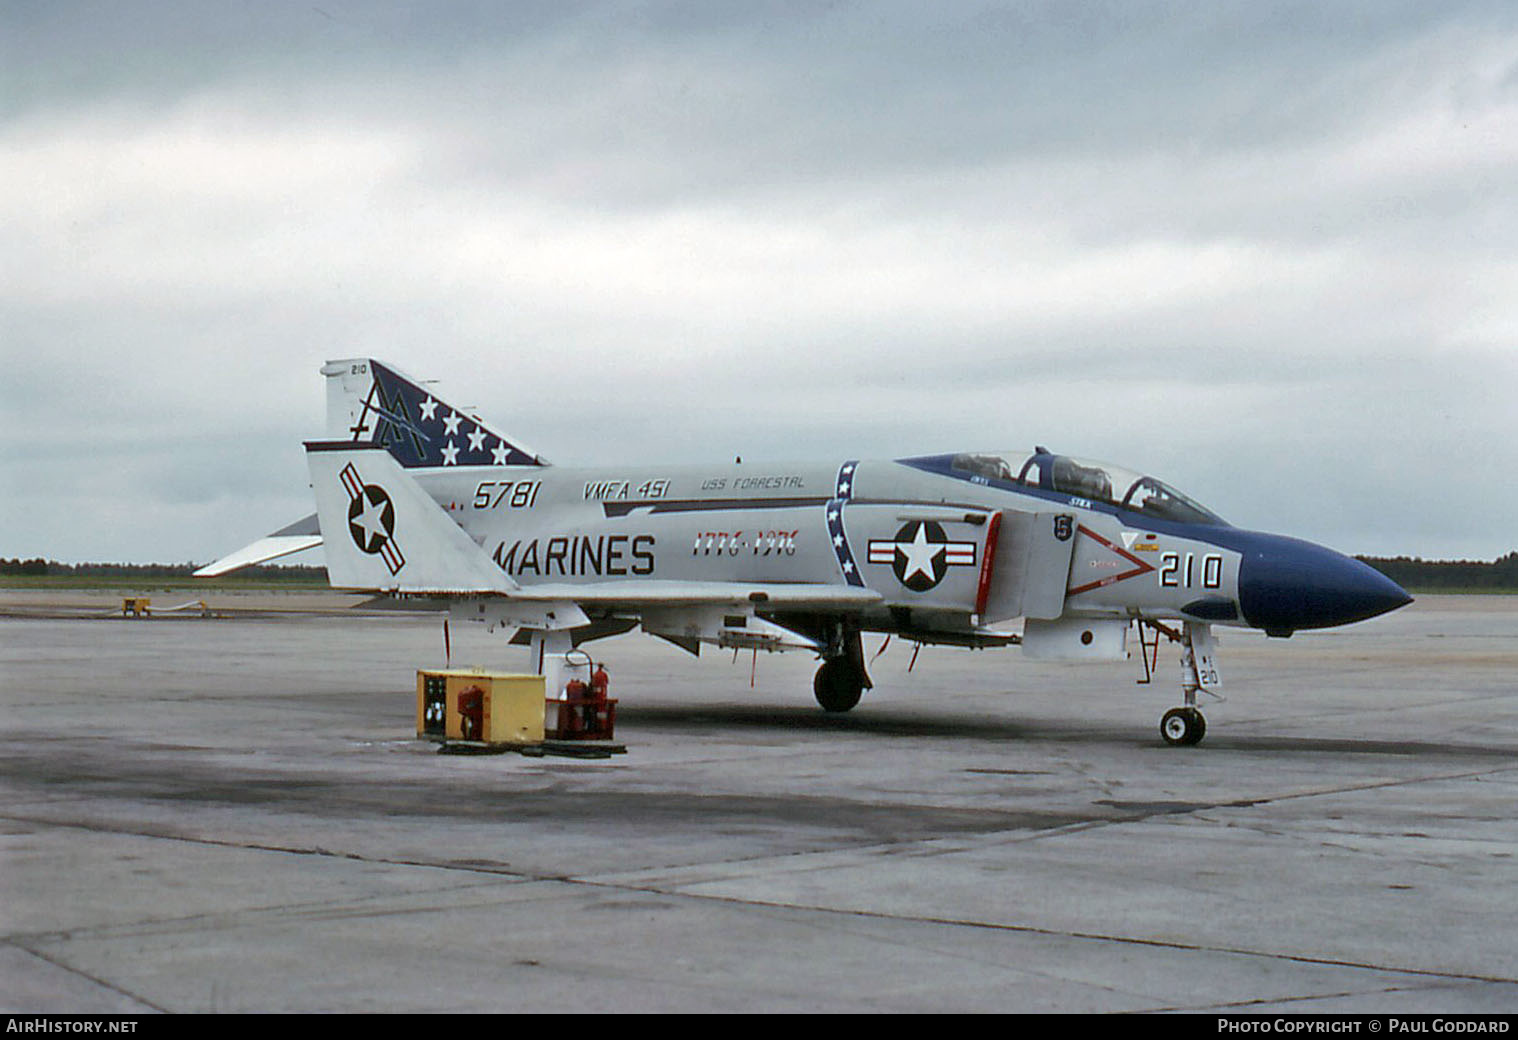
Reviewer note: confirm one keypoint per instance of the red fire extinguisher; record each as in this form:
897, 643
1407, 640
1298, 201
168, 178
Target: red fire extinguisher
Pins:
598, 684
472, 713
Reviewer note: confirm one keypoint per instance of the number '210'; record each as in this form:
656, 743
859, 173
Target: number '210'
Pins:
1178, 571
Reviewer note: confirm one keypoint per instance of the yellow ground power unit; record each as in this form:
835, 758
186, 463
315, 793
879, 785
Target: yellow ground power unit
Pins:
490, 708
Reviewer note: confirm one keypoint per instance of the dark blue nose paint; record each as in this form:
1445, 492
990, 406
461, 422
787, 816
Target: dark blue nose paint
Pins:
1286, 584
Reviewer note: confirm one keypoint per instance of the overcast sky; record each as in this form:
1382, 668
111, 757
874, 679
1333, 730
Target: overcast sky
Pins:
1266, 252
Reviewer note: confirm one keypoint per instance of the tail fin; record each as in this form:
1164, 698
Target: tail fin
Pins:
370, 403
382, 531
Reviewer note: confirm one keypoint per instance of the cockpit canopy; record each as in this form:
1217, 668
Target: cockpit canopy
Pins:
1084, 478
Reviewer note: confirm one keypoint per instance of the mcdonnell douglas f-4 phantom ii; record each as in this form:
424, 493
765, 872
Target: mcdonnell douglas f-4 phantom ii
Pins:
417, 497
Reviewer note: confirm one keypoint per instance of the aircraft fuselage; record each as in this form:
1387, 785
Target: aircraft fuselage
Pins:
933, 542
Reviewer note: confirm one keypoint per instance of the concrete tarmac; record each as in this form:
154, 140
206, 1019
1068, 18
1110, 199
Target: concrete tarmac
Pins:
232, 814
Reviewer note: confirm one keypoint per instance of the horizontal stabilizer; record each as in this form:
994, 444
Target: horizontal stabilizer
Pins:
385, 533
301, 535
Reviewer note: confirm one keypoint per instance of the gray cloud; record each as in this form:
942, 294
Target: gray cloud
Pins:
1265, 250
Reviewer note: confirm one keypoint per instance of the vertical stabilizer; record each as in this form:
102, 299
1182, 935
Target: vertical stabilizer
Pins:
371, 403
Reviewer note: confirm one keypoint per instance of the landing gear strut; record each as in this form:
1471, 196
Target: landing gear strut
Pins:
842, 678
1186, 726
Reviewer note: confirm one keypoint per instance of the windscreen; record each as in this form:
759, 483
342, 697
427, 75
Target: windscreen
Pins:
1084, 478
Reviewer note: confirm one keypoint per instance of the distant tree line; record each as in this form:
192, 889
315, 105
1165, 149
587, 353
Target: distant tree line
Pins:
39, 567
1408, 571
1415, 573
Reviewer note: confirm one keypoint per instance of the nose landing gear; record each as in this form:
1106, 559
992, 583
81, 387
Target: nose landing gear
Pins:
1186, 726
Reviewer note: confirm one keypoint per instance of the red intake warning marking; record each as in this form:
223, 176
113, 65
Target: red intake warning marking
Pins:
1139, 566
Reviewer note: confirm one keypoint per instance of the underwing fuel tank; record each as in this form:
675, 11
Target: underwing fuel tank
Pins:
1286, 584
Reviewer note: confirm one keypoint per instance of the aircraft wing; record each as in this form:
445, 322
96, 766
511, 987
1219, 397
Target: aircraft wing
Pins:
303, 534
818, 596
684, 612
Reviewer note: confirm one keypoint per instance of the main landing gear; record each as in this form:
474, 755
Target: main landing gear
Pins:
842, 678
838, 685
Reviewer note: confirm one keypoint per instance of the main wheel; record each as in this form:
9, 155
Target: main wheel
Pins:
1183, 727
837, 685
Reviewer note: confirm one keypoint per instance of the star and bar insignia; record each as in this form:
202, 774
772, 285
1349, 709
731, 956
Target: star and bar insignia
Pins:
921, 554
371, 519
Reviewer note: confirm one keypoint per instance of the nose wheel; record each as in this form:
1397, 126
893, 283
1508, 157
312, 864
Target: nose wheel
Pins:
1183, 727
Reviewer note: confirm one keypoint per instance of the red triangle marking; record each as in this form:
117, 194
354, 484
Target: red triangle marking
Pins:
1139, 566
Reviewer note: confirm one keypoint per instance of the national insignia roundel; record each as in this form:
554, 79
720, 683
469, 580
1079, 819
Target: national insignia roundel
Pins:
371, 518
921, 554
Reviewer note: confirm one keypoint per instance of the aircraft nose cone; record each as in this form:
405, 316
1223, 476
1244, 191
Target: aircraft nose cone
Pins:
1286, 584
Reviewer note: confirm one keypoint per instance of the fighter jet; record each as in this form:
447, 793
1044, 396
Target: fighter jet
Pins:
417, 497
